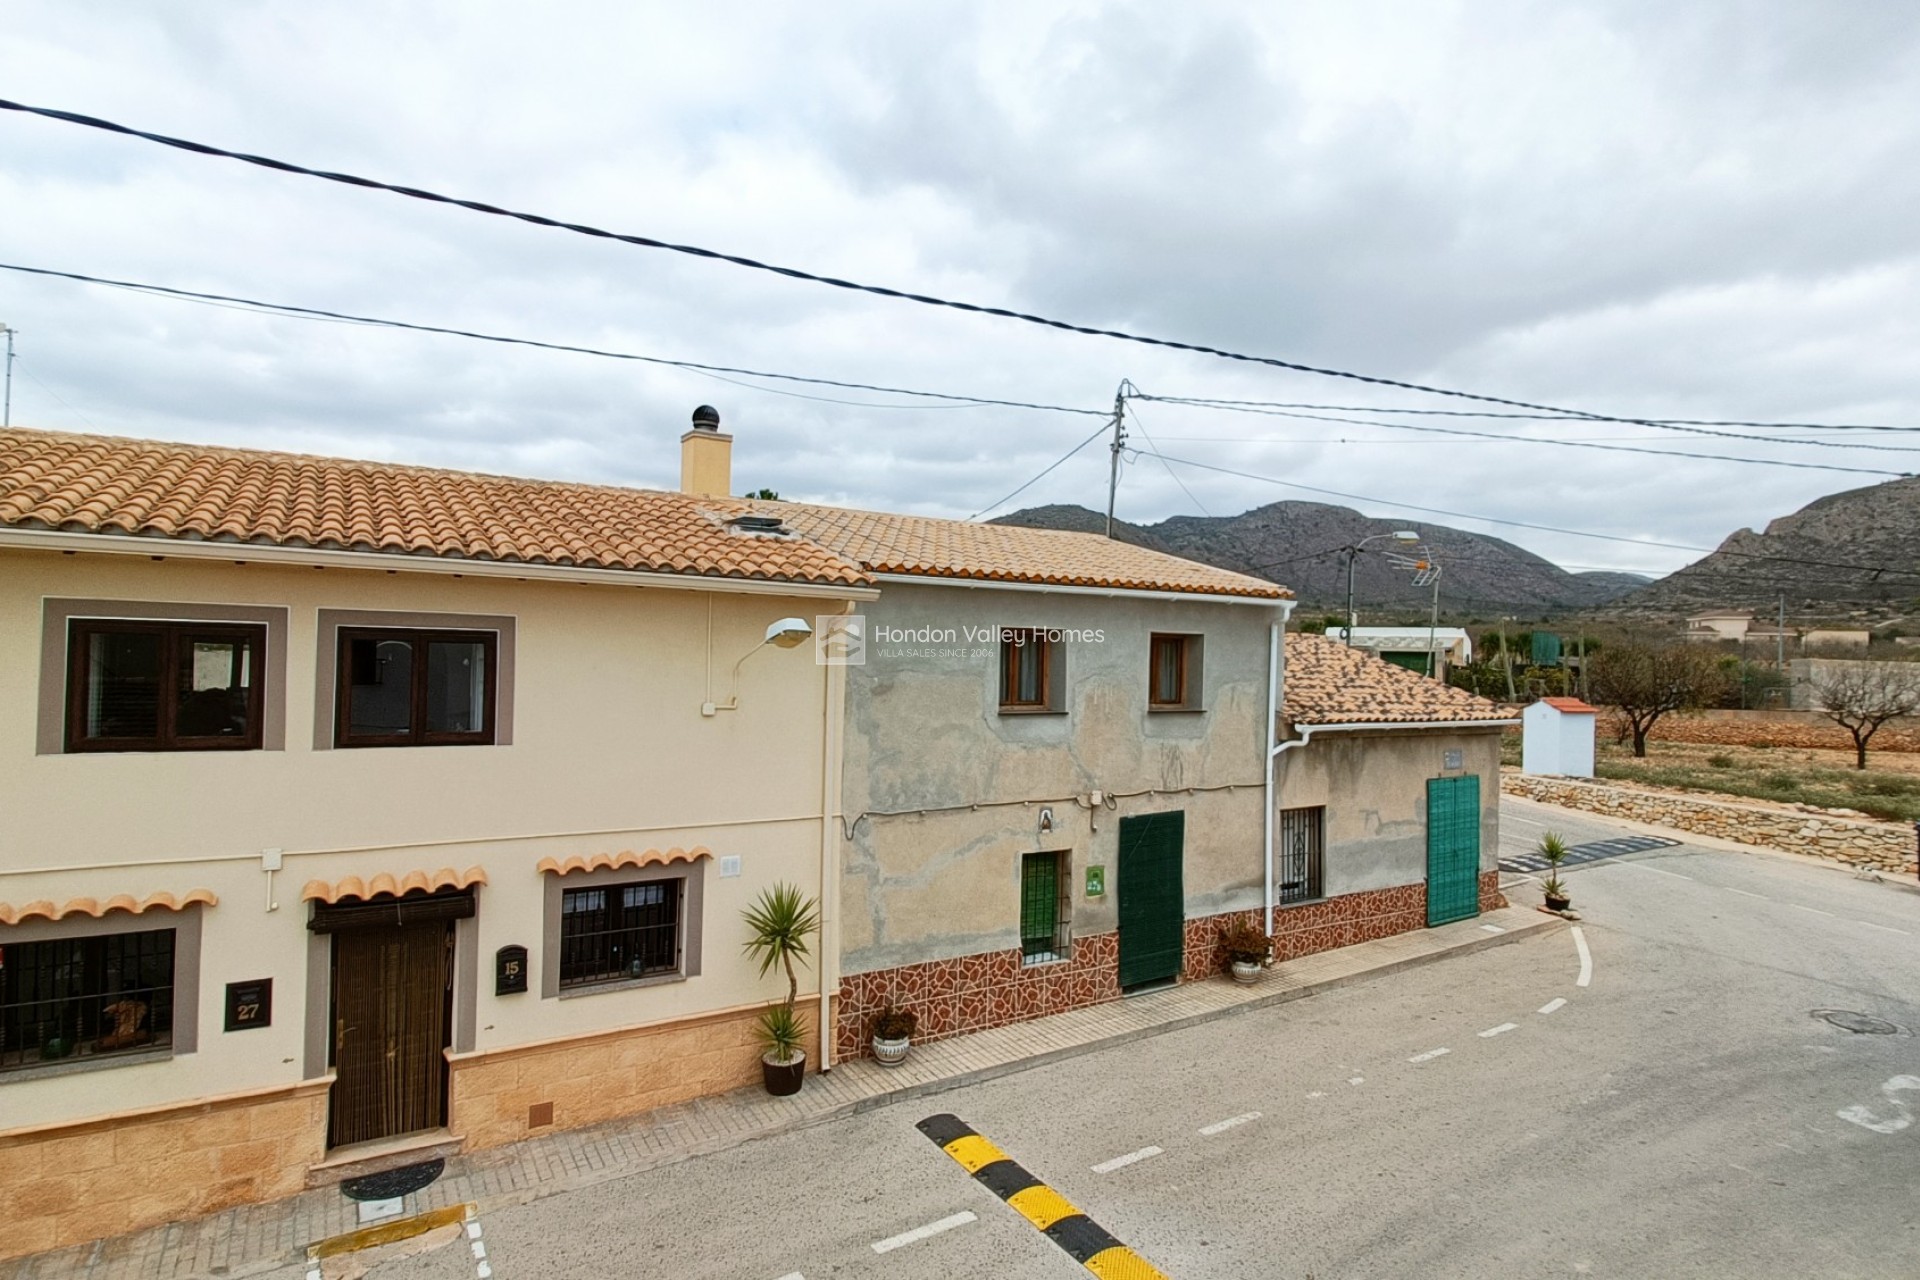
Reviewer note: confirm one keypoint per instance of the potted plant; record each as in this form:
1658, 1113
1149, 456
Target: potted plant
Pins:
778, 923
893, 1036
1554, 850
1248, 948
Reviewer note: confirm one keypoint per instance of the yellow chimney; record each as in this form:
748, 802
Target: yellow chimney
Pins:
706, 456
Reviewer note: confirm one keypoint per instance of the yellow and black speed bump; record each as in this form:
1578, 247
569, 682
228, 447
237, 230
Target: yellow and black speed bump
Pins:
1085, 1240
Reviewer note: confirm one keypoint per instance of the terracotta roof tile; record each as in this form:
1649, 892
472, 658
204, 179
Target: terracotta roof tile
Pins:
108, 485
1573, 705
1329, 683
923, 546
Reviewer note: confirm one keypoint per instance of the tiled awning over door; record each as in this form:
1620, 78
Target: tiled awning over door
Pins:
385, 882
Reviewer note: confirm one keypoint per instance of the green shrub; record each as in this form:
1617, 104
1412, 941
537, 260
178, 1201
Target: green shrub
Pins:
1721, 760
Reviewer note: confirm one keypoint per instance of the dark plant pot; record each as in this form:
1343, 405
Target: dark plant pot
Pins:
783, 1079
1560, 903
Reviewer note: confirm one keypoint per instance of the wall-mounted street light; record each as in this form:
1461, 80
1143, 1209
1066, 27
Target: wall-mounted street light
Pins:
787, 633
1405, 537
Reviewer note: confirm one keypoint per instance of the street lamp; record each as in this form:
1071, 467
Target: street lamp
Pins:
1405, 537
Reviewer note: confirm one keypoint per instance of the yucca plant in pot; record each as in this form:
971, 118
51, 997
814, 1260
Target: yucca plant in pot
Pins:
1247, 948
893, 1036
1554, 850
778, 923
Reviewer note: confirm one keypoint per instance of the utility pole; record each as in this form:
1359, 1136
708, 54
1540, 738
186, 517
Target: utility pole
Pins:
1119, 442
6, 413
1780, 637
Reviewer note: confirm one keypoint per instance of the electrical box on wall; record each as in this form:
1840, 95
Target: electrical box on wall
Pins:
730, 866
1455, 760
1096, 882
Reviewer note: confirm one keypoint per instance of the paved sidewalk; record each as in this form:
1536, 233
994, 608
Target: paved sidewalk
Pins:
259, 1238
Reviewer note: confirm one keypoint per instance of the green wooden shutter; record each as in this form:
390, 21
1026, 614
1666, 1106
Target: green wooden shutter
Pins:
1152, 897
1039, 905
1453, 849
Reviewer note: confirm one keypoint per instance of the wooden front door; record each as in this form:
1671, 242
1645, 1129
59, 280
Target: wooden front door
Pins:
392, 1011
1152, 897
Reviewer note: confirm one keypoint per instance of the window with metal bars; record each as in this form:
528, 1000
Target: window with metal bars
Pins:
619, 932
1043, 907
1297, 861
85, 997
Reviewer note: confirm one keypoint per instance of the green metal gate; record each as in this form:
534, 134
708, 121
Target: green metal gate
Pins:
1152, 897
1453, 849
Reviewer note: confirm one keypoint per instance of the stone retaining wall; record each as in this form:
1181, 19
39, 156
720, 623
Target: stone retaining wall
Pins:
1883, 846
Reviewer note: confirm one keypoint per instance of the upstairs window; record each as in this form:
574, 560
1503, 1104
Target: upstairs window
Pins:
163, 686
1173, 673
411, 688
1029, 674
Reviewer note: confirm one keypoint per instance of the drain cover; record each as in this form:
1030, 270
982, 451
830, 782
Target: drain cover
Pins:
1860, 1024
394, 1182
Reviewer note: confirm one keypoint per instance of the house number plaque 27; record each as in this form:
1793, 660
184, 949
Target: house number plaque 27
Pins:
249, 1004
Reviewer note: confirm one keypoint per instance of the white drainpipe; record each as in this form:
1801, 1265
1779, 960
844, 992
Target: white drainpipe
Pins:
1273, 729
832, 734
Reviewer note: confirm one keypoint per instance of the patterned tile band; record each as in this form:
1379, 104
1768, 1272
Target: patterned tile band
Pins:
1086, 1241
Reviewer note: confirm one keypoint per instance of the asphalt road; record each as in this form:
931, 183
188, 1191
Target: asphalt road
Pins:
1686, 1113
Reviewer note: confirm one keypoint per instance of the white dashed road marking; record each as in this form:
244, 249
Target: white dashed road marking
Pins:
1586, 958
1889, 928
1641, 866
482, 1269
918, 1234
1815, 910
1121, 1162
1504, 1027
1558, 1002
1747, 894
1231, 1122
1429, 1055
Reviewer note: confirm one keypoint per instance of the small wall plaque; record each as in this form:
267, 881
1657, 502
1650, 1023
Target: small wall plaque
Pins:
509, 971
1096, 882
249, 1004
1456, 759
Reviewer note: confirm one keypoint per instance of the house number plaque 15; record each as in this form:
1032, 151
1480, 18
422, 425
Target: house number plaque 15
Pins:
509, 971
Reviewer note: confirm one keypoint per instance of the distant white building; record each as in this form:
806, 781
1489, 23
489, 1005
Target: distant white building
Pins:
1724, 624
1415, 648
1558, 738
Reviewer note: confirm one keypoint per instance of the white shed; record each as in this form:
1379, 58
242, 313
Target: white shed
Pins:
1557, 738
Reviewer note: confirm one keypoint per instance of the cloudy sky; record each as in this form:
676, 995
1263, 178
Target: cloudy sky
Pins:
1700, 211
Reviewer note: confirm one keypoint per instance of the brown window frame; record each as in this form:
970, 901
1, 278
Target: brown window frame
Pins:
419, 735
602, 957
91, 995
176, 634
1187, 645
1014, 641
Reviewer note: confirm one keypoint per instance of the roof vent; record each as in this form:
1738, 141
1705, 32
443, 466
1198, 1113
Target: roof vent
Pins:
759, 524
706, 418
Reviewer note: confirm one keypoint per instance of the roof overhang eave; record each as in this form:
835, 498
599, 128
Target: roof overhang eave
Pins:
1283, 603
307, 557
1345, 726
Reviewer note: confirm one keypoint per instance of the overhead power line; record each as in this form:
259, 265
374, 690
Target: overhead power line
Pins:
792, 273
1875, 569
1097, 433
1533, 417
1565, 444
316, 313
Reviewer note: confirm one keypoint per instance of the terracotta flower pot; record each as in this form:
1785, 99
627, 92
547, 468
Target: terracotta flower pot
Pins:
783, 1078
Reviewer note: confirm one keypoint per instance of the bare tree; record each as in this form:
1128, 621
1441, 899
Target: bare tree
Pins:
1862, 696
1645, 682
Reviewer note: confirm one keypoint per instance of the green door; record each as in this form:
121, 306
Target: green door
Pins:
1453, 849
1152, 897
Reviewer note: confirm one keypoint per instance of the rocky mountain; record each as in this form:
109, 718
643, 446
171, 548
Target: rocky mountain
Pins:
1854, 554
1299, 544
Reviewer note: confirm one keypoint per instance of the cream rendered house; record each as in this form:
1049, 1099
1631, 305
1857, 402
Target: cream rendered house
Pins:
359, 813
